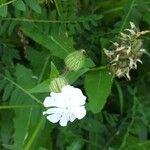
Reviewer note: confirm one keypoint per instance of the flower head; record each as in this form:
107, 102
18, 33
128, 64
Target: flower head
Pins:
65, 106
126, 53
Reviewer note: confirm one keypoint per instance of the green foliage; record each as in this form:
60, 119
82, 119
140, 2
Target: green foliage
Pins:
98, 86
35, 38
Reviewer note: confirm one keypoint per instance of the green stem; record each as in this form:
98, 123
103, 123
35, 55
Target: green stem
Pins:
5, 4
57, 7
18, 106
35, 133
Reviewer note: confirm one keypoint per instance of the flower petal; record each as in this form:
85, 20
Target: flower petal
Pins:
54, 117
49, 102
53, 110
74, 95
64, 119
72, 117
79, 112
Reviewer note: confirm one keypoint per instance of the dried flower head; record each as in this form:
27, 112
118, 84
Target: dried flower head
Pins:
125, 53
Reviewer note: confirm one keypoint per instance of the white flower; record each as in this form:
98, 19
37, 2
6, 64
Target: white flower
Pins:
65, 106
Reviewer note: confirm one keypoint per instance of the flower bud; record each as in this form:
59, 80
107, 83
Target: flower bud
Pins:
75, 60
57, 84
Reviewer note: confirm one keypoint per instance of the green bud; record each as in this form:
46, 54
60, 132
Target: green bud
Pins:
57, 84
75, 60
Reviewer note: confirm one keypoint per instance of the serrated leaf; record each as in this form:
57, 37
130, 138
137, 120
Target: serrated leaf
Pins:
98, 85
3, 11
19, 4
24, 76
7, 91
86, 25
34, 5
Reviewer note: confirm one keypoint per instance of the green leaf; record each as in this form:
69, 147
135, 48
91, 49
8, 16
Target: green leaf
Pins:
22, 116
44, 86
19, 4
98, 85
71, 77
24, 76
35, 133
76, 145
6, 126
3, 11
34, 5
59, 46
41, 88
7, 91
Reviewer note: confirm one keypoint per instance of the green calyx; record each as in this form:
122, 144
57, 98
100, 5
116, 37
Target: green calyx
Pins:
57, 84
75, 60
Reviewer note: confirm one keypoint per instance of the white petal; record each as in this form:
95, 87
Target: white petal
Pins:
48, 102
44, 112
140, 61
128, 76
116, 58
142, 50
59, 99
53, 110
74, 95
131, 31
78, 99
116, 44
120, 48
54, 117
132, 25
65, 106
72, 117
79, 112
64, 119
55, 96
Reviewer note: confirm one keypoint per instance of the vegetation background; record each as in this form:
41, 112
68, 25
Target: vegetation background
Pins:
35, 37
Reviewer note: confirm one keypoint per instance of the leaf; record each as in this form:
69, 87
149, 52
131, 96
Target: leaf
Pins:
6, 126
40, 68
22, 116
35, 133
59, 46
76, 145
24, 76
19, 4
44, 86
98, 85
34, 5
41, 88
71, 77
7, 91
3, 11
